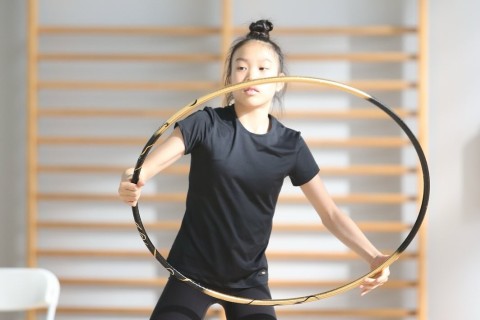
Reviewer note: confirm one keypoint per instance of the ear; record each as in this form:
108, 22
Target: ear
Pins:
280, 85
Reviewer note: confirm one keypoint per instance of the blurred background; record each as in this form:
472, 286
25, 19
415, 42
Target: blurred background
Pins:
110, 72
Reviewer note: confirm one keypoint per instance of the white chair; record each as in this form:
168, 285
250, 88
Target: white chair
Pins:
24, 289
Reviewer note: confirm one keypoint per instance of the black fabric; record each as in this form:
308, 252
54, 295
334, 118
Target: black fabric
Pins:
179, 301
234, 183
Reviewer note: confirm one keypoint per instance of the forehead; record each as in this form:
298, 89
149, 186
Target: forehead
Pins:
255, 50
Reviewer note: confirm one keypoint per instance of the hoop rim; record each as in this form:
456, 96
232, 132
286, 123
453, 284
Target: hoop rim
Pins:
186, 110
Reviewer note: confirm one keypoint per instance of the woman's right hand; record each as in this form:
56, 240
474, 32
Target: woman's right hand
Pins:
169, 151
128, 191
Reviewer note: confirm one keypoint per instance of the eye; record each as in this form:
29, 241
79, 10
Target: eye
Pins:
241, 68
264, 68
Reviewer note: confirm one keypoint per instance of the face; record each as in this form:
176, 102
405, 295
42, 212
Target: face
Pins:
255, 60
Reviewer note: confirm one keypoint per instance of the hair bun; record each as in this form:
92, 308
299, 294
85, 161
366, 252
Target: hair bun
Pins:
260, 29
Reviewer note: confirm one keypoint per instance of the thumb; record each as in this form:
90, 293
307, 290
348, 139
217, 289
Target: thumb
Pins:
140, 180
140, 183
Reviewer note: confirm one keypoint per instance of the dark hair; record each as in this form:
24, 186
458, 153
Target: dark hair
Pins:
259, 30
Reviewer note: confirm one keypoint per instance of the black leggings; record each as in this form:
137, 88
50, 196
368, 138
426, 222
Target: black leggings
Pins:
179, 301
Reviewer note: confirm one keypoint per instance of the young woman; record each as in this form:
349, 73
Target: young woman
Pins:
240, 156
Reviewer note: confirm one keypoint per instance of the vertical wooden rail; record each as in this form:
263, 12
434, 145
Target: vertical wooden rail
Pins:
32, 105
423, 138
226, 31
32, 131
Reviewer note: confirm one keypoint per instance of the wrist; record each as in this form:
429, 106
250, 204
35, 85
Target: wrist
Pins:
127, 174
377, 260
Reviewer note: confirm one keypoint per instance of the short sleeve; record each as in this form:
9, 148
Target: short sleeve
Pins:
305, 166
195, 128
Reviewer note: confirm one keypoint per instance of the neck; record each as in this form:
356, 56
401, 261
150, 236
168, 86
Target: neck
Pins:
254, 120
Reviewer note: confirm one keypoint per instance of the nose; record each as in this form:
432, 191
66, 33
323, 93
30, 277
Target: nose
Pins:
251, 75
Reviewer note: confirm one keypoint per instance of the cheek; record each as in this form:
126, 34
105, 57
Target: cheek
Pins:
237, 96
269, 87
235, 78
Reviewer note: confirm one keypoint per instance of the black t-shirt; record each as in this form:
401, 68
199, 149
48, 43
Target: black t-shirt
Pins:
234, 182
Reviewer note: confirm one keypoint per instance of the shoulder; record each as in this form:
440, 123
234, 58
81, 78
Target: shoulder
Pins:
207, 115
216, 114
222, 113
287, 134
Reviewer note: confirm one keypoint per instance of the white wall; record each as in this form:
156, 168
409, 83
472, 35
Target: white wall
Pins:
454, 218
454, 215
12, 131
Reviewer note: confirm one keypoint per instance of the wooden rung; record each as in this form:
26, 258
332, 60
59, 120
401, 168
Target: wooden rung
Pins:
160, 225
200, 30
371, 198
355, 57
123, 30
81, 169
367, 85
272, 255
170, 197
105, 112
97, 253
356, 313
366, 226
331, 256
183, 169
114, 57
338, 31
273, 283
130, 282
292, 113
125, 141
356, 142
319, 312
377, 198
121, 311
179, 169
360, 142
93, 85
383, 170
161, 113
205, 57
351, 114
370, 85
369, 226
277, 283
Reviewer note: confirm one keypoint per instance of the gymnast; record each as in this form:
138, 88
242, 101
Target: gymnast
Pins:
240, 156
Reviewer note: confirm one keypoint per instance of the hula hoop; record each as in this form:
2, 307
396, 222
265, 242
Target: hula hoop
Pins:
295, 300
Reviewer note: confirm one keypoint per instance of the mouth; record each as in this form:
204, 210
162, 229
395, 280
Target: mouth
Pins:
251, 90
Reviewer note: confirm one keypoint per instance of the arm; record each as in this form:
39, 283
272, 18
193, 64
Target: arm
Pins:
345, 230
161, 157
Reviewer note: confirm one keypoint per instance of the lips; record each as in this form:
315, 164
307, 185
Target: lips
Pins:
250, 90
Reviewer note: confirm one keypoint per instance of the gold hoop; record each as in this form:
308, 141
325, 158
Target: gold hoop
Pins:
296, 300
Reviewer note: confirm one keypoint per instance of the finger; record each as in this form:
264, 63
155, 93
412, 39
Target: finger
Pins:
130, 201
367, 289
383, 276
370, 282
129, 186
128, 195
372, 285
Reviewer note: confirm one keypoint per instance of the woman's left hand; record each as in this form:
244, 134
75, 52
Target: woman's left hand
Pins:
378, 279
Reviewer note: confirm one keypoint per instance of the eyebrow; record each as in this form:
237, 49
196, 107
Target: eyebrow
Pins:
246, 60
